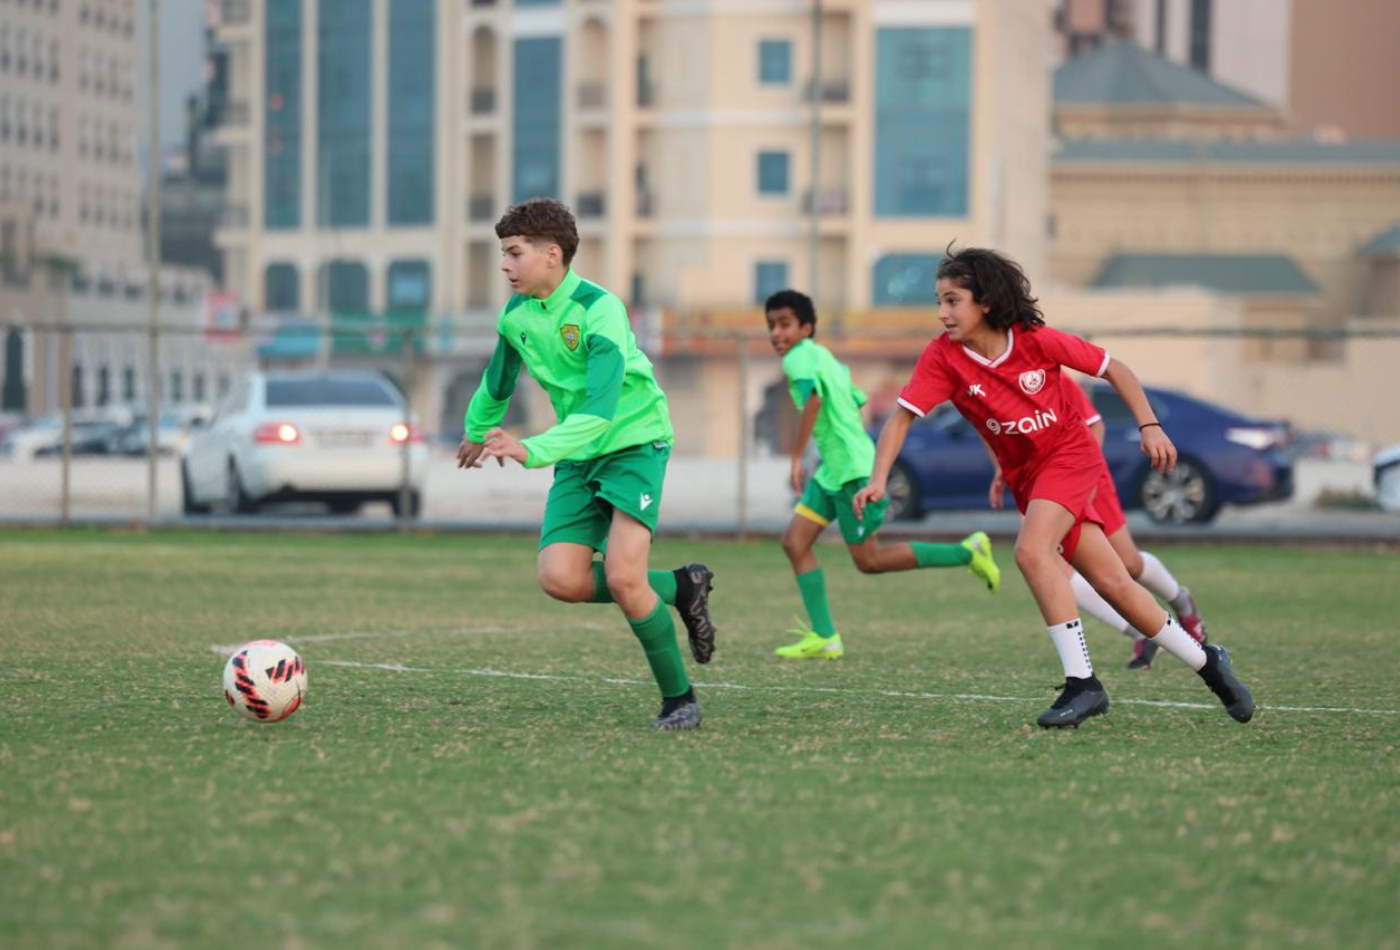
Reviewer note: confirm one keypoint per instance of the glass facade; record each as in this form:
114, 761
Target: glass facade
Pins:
539, 93
769, 277
411, 87
410, 285
773, 173
281, 287
906, 279
774, 62
343, 113
282, 119
923, 92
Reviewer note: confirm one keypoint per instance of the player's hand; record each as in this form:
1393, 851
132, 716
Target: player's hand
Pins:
868, 495
996, 492
797, 479
469, 454
501, 445
1160, 452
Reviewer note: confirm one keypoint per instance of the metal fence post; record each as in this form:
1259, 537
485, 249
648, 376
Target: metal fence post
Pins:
65, 404
406, 513
743, 430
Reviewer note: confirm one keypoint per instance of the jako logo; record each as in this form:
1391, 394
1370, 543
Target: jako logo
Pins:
1024, 425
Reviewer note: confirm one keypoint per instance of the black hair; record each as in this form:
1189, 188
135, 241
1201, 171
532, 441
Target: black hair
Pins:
796, 301
541, 221
997, 281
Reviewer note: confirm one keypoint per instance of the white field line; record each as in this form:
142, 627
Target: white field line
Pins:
904, 694
228, 649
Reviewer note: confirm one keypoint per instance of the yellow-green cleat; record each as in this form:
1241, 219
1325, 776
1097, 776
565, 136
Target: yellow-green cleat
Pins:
983, 565
812, 646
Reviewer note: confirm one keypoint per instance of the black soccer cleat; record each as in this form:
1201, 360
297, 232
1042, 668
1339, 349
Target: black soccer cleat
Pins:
1144, 652
1220, 677
693, 585
679, 715
1080, 699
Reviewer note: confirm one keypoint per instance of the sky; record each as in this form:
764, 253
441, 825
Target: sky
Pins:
181, 65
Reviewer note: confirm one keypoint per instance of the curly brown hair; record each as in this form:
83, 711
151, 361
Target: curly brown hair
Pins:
541, 221
997, 281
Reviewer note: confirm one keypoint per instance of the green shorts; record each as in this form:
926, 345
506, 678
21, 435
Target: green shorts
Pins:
584, 494
823, 506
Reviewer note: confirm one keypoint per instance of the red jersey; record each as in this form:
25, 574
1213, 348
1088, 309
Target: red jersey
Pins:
1018, 401
1086, 407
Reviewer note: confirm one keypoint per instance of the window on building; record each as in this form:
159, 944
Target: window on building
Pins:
538, 117
177, 386
343, 101
79, 391
774, 62
769, 277
411, 98
129, 384
922, 121
410, 286
281, 287
343, 287
906, 279
104, 385
282, 119
773, 173
1201, 11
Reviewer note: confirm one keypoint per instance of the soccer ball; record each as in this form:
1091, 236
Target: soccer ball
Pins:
265, 680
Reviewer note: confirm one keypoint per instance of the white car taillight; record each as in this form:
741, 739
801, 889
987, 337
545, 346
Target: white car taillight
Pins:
276, 433
401, 432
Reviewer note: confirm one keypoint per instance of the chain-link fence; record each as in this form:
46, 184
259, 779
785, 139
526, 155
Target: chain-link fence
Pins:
86, 404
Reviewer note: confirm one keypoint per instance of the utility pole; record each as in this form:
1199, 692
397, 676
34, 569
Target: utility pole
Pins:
814, 236
153, 272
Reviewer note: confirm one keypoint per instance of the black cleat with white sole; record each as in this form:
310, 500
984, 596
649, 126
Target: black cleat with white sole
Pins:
679, 714
1220, 677
1080, 699
693, 585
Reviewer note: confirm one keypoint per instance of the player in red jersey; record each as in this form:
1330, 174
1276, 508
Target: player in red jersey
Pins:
1000, 365
1146, 568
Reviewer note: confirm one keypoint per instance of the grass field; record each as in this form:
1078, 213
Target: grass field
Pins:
871, 801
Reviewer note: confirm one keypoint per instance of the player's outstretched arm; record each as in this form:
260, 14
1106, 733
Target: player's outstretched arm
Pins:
892, 438
1155, 444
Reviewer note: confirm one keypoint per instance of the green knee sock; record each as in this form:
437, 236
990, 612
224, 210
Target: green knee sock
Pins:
658, 636
812, 585
663, 582
940, 555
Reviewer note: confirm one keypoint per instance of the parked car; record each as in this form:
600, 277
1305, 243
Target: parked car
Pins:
42, 437
1224, 459
337, 438
173, 432
1386, 465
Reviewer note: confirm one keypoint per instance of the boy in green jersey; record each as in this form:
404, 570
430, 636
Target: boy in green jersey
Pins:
830, 405
609, 447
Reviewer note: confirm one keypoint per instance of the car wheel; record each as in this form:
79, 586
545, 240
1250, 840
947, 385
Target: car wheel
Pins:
239, 501
902, 494
415, 504
1185, 495
187, 502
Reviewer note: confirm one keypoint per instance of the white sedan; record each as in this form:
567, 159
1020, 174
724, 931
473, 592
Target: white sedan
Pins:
1387, 473
342, 438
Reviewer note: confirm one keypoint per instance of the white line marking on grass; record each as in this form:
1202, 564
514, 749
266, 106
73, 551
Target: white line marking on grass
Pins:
228, 649
904, 694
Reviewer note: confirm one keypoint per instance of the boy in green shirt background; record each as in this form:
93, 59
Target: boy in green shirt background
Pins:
822, 390
609, 447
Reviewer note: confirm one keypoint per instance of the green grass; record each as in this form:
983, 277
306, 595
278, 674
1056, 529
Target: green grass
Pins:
411, 809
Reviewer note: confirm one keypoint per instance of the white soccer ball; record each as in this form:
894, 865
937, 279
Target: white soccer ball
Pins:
265, 680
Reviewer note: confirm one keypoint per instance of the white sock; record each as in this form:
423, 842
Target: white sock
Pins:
1092, 603
1156, 578
1068, 638
1179, 644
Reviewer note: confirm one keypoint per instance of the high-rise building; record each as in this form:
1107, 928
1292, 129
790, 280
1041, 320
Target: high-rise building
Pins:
712, 152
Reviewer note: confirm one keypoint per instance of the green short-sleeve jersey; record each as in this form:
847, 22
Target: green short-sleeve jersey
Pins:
579, 346
846, 449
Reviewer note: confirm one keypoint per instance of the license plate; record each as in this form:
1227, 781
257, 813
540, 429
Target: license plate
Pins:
338, 438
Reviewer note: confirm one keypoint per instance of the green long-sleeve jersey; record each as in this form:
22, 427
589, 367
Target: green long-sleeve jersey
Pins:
579, 346
846, 449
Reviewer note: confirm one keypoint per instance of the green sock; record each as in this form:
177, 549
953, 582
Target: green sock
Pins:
940, 555
658, 636
812, 585
663, 582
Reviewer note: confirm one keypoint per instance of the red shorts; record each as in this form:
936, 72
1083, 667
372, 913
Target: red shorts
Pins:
1070, 479
1107, 503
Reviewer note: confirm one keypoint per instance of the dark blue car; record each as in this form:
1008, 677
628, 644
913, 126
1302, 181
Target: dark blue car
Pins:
1225, 459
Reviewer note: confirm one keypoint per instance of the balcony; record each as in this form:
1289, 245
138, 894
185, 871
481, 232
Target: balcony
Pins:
483, 100
829, 91
591, 204
824, 201
481, 207
236, 12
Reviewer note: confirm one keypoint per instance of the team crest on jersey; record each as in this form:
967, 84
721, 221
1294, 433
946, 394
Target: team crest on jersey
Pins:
1031, 381
570, 334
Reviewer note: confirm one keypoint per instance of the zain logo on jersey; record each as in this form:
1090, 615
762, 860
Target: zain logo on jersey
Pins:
1025, 425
